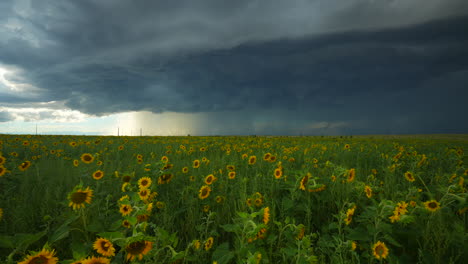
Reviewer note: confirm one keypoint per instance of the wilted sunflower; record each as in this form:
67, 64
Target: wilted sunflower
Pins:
97, 175
368, 191
278, 173
209, 243
204, 192
126, 178
44, 257
144, 182
380, 250
210, 179
25, 165
266, 215
409, 176
79, 197
3, 170
196, 164
351, 175
432, 205
138, 249
96, 260
165, 178
252, 160
87, 158
104, 247
125, 209
232, 175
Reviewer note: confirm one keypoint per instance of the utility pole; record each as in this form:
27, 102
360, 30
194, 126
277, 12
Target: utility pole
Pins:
118, 131
141, 132
36, 129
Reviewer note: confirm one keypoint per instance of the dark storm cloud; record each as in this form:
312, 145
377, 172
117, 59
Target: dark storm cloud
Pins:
374, 64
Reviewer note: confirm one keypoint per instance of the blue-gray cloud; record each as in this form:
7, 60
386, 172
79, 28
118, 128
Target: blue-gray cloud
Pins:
372, 66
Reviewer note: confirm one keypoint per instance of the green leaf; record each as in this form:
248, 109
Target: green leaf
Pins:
111, 235
230, 228
79, 250
6, 242
60, 233
222, 254
392, 241
23, 241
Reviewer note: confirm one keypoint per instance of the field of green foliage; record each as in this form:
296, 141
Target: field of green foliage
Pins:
97, 200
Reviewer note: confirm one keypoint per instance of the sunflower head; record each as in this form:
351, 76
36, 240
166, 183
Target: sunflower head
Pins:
409, 176
204, 192
104, 247
144, 182
380, 250
138, 249
266, 215
79, 196
25, 165
96, 260
278, 173
210, 179
97, 175
125, 209
232, 175
209, 243
87, 158
196, 164
432, 205
44, 257
252, 160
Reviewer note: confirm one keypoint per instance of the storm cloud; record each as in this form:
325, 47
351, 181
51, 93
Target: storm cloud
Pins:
256, 66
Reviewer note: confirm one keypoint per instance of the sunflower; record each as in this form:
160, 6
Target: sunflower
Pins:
266, 215
368, 191
3, 170
409, 176
349, 215
258, 202
351, 175
144, 194
347, 146
249, 202
125, 209
72, 144
353, 245
87, 158
104, 247
160, 205
252, 160
126, 178
304, 182
1, 213
278, 173
165, 159
44, 257
219, 199
196, 164
232, 175
380, 250
126, 223
120, 147
204, 192
25, 165
272, 158
209, 243
210, 179
138, 249
76, 163
96, 260
2, 160
266, 157
230, 167
244, 156
432, 205
97, 175
196, 244
165, 178
79, 197
185, 170
144, 182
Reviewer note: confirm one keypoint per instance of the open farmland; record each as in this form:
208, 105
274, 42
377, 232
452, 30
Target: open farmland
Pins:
222, 200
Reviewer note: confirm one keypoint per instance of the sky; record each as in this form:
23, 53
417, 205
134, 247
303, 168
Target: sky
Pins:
245, 67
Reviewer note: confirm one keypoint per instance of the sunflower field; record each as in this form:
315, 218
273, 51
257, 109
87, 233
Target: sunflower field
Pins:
97, 200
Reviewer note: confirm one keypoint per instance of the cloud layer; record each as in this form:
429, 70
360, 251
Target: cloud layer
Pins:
284, 67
